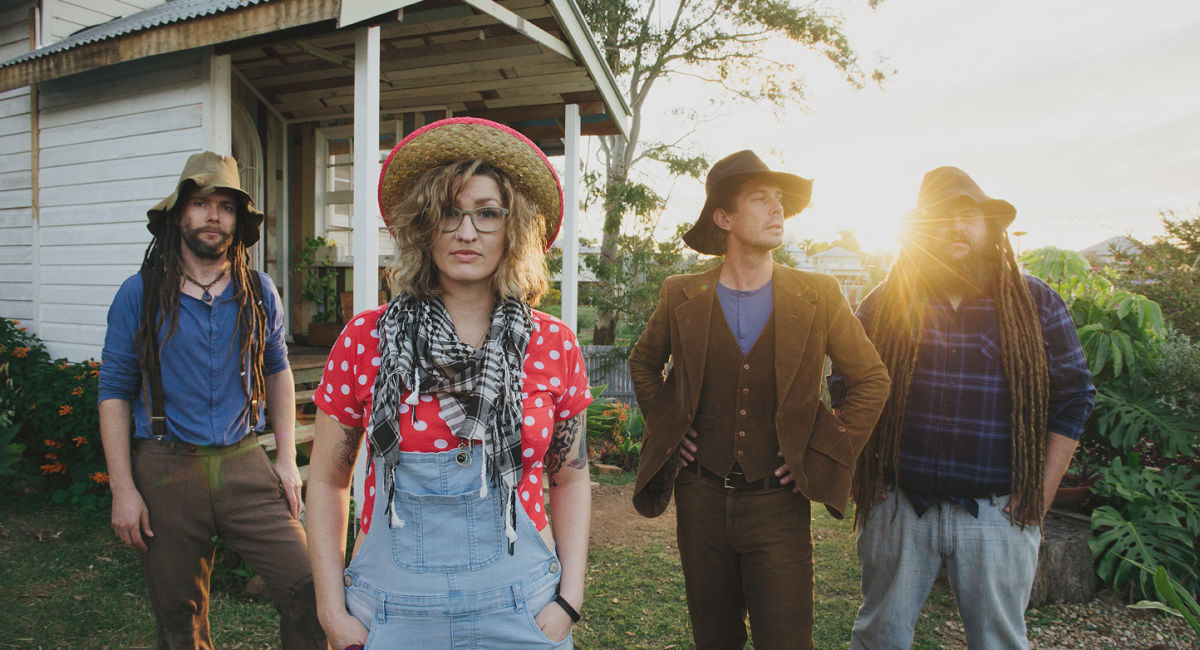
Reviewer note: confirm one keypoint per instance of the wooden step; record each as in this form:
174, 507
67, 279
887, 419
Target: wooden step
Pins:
304, 434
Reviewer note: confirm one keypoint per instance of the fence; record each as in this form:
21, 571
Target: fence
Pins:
609, 365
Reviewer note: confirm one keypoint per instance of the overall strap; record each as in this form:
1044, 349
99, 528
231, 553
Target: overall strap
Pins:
158, 414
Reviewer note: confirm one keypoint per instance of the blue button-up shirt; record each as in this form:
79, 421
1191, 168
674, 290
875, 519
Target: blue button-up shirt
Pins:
956, 443
205, 391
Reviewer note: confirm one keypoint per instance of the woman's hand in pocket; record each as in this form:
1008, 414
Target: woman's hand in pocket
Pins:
554, 622
345, 631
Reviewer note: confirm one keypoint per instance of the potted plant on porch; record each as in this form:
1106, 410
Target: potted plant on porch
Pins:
318, 282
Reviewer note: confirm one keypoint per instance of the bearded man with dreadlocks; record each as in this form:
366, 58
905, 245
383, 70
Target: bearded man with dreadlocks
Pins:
194, 350
990, 393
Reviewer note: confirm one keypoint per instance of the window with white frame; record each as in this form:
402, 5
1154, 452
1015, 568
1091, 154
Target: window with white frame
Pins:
335, 186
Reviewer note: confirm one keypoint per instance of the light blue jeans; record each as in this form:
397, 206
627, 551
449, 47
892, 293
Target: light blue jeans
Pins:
441, 576
990, 563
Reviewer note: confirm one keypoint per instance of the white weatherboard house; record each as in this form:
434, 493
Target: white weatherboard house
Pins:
101, 102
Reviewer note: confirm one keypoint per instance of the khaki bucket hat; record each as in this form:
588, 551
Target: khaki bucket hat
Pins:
210, 171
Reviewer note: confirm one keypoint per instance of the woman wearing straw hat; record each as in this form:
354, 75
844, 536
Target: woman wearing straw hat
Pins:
470, 400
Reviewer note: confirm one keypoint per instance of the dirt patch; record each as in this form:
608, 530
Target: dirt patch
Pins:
616, 523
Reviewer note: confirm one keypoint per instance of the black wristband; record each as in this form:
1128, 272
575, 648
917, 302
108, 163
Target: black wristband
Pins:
562, 602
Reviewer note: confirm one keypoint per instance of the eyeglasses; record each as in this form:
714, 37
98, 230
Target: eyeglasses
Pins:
486, 219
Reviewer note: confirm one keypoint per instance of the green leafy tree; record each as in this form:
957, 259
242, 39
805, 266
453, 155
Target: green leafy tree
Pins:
1167, 270
722, 42
634, 278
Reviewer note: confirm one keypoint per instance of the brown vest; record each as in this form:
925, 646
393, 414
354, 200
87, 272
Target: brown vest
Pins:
736, 416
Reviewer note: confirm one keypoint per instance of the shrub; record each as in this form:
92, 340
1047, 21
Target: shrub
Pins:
53, 402
1144, 428
614, 431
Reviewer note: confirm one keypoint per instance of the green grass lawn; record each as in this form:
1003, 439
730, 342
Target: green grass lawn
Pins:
68, 583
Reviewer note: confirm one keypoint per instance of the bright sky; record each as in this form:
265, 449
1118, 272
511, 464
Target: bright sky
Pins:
1084, 114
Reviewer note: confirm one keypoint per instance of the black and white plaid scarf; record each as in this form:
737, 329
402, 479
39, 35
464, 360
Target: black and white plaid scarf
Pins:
478, 391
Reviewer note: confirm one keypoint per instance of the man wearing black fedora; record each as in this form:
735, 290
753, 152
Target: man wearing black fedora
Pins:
194, 350
735, 425
990, 393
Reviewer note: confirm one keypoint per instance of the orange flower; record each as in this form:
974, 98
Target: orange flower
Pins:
100, 477
51, 456
65, 410
62, 365
79, 441
95, 373
93, 364
52, 443
20, 352
78, 390
54, 468
22, 329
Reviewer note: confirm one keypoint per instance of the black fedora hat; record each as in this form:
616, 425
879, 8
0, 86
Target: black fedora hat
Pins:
943, 186
725, 177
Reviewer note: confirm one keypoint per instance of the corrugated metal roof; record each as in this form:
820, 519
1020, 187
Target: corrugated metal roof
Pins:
172, 11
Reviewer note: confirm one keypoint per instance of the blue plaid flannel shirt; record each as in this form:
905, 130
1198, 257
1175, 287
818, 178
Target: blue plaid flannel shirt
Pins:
956, 443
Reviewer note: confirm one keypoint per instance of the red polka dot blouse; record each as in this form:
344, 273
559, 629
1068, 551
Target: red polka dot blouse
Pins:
555, 389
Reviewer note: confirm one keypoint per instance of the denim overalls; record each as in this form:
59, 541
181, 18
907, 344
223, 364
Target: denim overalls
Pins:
441, 576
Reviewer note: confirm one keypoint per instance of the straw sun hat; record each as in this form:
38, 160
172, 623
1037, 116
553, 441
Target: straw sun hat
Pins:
472, 138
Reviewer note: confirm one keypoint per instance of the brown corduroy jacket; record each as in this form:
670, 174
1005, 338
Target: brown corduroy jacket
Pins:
812, 320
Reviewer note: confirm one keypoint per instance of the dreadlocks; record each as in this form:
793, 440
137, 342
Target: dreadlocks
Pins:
162, 277
896, 330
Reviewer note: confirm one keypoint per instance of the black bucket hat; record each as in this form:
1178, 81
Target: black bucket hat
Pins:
725, 177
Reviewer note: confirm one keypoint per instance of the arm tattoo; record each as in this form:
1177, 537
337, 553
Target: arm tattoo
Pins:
568, 447
348, 450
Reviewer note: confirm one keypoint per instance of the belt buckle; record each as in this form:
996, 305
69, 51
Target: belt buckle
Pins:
732, 474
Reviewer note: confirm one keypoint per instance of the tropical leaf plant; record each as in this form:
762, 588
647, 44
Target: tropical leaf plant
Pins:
1174, 595
1149, 528
1126, 413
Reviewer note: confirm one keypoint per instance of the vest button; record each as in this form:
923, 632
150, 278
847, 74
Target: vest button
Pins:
347, 580
745, 366
741, 453
745, 390
743, 411
741, 434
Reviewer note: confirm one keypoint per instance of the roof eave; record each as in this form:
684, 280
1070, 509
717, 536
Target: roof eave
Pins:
177, 36
580, 36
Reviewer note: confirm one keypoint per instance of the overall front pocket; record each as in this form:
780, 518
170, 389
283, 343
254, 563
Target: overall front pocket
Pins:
434, 533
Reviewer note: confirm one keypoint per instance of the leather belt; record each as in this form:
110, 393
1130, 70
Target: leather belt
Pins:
735, 479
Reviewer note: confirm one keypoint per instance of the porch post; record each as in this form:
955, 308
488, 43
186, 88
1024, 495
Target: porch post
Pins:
366, 178
366, 168
570, 227
220, 104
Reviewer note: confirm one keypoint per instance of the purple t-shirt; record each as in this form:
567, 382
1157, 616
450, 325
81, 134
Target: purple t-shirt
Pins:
747, 312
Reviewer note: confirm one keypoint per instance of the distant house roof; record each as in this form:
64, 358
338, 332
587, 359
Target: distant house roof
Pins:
838, 251
172, 11
1104, 249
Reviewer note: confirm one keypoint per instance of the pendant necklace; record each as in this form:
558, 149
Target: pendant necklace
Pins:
205, 287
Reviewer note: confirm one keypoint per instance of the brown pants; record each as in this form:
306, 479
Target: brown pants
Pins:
194, 493
745, 550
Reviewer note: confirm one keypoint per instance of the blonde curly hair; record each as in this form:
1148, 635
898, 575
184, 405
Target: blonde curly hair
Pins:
415, 223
